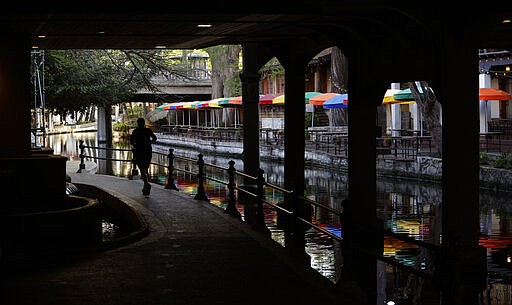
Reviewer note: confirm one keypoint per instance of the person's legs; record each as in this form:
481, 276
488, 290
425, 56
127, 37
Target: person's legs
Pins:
144, 174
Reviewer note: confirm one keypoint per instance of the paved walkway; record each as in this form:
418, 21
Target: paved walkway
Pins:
194, 254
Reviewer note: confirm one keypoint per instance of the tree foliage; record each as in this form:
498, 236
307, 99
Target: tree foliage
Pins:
77, 79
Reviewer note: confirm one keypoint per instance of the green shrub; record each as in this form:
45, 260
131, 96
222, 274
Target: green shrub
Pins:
503, 161
484, 158
121, 126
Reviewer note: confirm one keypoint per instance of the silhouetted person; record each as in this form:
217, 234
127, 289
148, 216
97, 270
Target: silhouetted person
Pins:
141, 139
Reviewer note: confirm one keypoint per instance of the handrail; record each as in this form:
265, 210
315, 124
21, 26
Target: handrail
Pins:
260, 198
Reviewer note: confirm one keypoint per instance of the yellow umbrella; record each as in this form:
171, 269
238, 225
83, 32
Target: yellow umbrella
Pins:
278, 100
389, 97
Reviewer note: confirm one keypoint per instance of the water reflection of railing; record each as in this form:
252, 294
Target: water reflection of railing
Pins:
295, 211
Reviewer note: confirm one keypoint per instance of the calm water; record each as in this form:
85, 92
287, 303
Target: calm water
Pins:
404, 206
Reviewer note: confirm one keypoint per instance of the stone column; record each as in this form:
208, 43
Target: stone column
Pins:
396, 115
250, 92
21, 168
463, 264
361, 227
15, 96
484, 111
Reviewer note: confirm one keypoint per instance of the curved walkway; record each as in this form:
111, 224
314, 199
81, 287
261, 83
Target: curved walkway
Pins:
194, 254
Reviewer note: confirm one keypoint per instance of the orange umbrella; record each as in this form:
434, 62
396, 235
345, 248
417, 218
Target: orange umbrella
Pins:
321, 98
493, 94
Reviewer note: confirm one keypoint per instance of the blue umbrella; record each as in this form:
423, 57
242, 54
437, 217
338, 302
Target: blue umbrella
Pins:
338, 101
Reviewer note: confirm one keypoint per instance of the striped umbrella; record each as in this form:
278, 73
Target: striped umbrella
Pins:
214, 103
338, 101
161, 107
267, 99
321, 98
309, 94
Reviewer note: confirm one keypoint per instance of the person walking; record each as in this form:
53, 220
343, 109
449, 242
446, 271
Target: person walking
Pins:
141, 139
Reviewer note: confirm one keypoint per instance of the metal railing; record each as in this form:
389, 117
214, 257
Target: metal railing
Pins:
259, 196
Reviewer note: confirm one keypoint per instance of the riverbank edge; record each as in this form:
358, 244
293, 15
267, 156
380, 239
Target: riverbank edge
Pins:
423, 168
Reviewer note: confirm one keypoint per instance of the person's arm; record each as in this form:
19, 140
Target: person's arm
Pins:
153, 137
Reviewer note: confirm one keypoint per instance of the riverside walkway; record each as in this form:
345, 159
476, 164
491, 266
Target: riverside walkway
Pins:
194, 253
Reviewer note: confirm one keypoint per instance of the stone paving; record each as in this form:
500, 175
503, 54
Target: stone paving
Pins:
194, 253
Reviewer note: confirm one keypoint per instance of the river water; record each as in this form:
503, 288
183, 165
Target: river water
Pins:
405, 206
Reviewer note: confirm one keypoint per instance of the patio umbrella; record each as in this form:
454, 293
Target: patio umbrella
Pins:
161, 107
389, 97
174, 106
493, 94
214, 103
278, 100
267, 99
309, 94
405, 95
321, 98
337, 101
231, 101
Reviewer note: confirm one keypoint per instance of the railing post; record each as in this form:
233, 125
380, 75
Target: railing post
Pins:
170, 169
82, 157
295, 238
200, 179
259, 224
231, 209
135, 172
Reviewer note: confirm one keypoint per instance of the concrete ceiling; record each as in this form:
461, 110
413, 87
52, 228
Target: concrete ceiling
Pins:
148, 24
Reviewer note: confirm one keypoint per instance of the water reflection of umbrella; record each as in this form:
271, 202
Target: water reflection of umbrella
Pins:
337, 101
